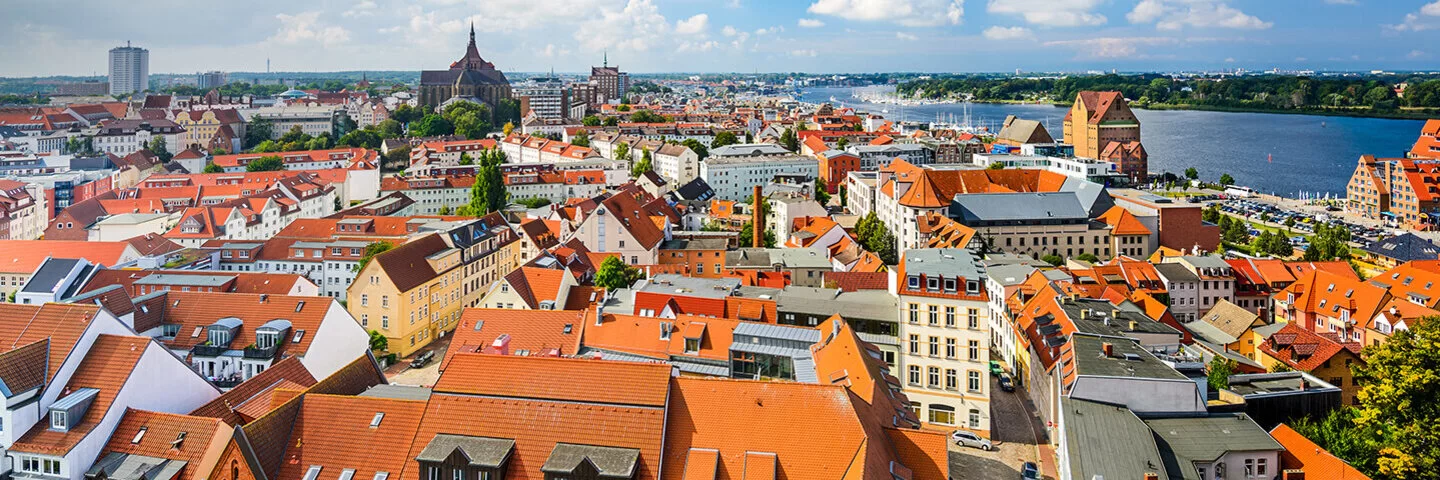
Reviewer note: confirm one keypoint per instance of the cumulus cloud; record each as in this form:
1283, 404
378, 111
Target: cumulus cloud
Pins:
905, 36
637, 28
1424, 19
306, 27
362, 8
810, 23
693, 25
1051, 13
803, 53
1111, 47
1178, 14
1008, 33
911, 13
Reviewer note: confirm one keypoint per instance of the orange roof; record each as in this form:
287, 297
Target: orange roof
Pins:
641, 335
554, 378
161, 430
61, 324
106, 367
194, 311
1317, 463
24, 256
1411, 282
1325, 293
535, 285
535, 331
337, 433
301, 156
238, 405
1122, 222
245, 282
1303, 350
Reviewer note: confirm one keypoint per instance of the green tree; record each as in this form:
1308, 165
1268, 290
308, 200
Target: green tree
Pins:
1397, 411
612, 121
533, 202
295, 135
488, 193
646, 116
615, 274
695, 146
1192, 173
466, 159
997, 166
390, 128
877, 238
431, 125
378, 342
1330, 242
643, 165
622, 151
1217, 375
589, 121
1227, 180
723, 139
80, 146
371, 251
1055, 260
788, 140
712, 226
821, 195
444, 210
842, 143
472, 123
1087, 257
508, 128
363, 138
404, 114
581, 139
844, 199
397, 159
268, 146
258, 130
157, 146
268, 163
212, 168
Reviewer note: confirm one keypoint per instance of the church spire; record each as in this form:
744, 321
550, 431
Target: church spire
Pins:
472, 33
606, 62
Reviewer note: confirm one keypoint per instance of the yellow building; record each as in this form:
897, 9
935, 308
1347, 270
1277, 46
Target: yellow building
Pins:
415, 292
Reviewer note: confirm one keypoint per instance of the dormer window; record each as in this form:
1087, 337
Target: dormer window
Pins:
913, 282
972, 286
932, 283
58, 420
949, 284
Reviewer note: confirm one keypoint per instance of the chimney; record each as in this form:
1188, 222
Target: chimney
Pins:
501, 344
1134, 325
1152, 476
758, 219
1294, 474
1109, 349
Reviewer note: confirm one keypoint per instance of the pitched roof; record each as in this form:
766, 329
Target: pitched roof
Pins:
855, 281
1404, 247
640, 335
1302, 349
537, 332
646, 384
1122, 222
535, 285
59, 324
288, 372
1317, 463
24, 368
24, 256
106, 368
406, 264
633, 216
1230, 318
340, 432
154, 434
193, 311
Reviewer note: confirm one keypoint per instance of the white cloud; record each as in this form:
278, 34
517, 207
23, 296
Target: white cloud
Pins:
803, 53
1300, 59
905, 36
305, 27
810, 23
1051, 13
362, 8
1178, 14
1008, 33
694, 25
1421, 20
637, 28
769, 31
912, 13
553, 51
703, 46
1111, 47
1229, 59
1416, 54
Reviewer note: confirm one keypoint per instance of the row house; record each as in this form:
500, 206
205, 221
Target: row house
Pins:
945, 337
432, 195
124, 137
23, 214
230, 337
735, 172
874, 157
303, 160
203, 127
677, 163
623, 225
523, 149
445, 153
414, 292
1400, 191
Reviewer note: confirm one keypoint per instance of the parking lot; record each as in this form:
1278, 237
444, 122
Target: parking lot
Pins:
1301, 222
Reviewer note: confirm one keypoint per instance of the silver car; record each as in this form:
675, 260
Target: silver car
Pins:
970, 439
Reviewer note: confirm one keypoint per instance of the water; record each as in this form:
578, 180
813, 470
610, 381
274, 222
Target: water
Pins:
1314, 154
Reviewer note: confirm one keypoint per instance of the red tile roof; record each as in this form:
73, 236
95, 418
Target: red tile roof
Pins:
161, 430
256, 391
1302, 454
645, 384
539, 332
1302, 349
24, 256
855, 281
60, 324
194, 311
336, 433
535, 285
106, 367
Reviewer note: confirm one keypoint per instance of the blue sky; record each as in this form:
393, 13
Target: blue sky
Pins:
45, 38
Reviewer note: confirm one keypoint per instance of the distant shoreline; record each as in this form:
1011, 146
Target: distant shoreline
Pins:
1400, 115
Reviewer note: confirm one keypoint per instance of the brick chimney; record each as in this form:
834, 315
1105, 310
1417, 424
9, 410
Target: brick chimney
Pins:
1294, 474
758, 218
1109, 349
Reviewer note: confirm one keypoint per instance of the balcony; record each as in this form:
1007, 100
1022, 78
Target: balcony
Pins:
208, 350
254, 352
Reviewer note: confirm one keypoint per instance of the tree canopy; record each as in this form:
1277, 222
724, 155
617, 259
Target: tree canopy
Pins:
614, 273
488, 193
268, 163
723, 139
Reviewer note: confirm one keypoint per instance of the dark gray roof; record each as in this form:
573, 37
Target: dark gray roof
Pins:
695, 244
1094, 197
1107, 441
944, 263
1176, 272
864, 304
691, 286
1404, 248
1024, 131
124, 466
398, 392
1104, 318
608, 461
1000, 207
1183, 441
49, 275
749, 150
1129, 359
1278, 383
697, 189
473, 77
479, 451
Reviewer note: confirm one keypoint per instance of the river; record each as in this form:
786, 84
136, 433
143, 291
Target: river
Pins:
1310, 153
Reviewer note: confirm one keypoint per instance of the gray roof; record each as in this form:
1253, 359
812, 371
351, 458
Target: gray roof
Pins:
124, 466
1094, 197
47, 278
1205, 261
1183, 441
398, 392
1002, 207
1024, 131
797, 334
785, 257
1007, 275
609, 461
1102, 318
479, 451
1107, 441
749, 150
1174, 272
866, 304
1129, 360
185, 280
1404, 248
692, 286
1230, 319
943, 262
891, 148
1210, 333
695, 244
1278, 383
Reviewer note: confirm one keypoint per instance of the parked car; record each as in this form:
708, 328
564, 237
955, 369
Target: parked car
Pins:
423, 360
1029, 471
995, 368
1006, 383
970, 439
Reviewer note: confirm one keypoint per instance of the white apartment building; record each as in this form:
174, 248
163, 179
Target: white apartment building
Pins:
734, 176
676, 163
129, 70
945, 337
313, 120
878, 156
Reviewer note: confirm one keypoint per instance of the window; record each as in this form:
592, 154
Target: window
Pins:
914, 313
974, 349
933, 375
974, 378
692, 345
914, 344
974, 319
57, 420
913, 282
934, 346
457, 474
432, 473
942, 414
974, 418
364, 299
52, 466
1249, 468
385, 321
313, 472
1260, 467
384, 301
950, 348
950, 316
914, 374
952, 379
934, 314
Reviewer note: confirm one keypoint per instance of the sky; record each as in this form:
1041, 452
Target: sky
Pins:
646, 36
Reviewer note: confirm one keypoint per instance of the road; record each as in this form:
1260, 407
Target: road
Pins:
1015, 432
401, 374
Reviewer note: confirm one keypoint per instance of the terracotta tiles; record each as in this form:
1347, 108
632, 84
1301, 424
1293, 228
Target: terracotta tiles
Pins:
25, 368
24, 256
534, 331
339, 432
288, 372
194, 311
160, 432
557, 379
106, 367
61, 324
1317, 463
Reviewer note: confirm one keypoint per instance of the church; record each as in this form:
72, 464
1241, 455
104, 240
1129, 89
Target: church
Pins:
470, 78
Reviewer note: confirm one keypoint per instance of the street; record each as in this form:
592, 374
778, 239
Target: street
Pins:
1015, 433
401, 374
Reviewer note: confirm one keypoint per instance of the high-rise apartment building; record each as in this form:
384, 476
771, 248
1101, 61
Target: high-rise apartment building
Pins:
611, 81
209, 80
129, 70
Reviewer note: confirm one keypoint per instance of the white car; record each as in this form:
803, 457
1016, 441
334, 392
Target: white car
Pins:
970, 439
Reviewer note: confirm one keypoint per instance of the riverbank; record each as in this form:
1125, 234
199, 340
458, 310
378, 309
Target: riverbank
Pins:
1414, 114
